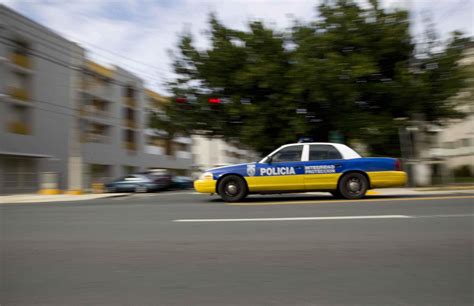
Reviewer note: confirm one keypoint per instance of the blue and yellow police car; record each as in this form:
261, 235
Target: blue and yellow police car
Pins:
302, 167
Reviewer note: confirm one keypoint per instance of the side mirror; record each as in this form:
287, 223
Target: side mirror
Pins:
269, 159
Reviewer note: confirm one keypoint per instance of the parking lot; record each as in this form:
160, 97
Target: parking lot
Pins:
182, 248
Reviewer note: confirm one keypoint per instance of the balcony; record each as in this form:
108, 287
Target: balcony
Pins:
155, 150
130, 102
184, 154
91, 111
131, 146
17, 127
103, 91
21, 60
99, 69
19, 94
183, 140
96, 138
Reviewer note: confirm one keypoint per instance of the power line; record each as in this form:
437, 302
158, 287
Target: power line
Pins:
80, 117
61, 63
58, 62
95, 46
80, 56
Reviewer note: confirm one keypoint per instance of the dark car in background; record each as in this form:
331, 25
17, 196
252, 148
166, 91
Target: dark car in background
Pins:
181, 182
139, 183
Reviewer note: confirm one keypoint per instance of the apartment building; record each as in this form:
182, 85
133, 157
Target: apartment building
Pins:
157, 142
65, 115
37, 102
454, 144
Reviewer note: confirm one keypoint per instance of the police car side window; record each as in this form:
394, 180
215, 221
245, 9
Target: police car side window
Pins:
323, 152
288, 154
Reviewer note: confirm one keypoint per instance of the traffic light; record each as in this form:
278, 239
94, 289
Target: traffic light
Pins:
214, 100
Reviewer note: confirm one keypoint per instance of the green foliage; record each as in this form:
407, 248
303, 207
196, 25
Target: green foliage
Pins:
463, 171
352, 70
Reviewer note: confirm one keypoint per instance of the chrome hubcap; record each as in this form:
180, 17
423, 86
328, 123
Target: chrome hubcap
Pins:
355, 185
231, 189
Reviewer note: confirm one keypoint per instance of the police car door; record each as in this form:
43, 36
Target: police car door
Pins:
283, 172
322, 167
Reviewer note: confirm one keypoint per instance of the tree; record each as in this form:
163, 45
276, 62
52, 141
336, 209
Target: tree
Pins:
351, 71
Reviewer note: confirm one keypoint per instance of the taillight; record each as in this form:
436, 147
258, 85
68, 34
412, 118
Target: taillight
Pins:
398, 165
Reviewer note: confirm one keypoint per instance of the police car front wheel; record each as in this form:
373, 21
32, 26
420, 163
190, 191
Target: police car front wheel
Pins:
232, 188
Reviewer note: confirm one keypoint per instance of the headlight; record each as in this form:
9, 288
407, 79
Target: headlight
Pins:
206, 176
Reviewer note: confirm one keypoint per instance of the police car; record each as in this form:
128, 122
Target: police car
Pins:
302, 167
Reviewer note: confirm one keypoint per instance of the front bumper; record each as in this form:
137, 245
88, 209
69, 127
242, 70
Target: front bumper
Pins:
205, 186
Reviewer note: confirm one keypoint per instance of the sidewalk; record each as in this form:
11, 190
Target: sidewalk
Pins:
37, 198
421, 191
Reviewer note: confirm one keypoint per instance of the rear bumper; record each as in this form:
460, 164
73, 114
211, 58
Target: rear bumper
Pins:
205, 186
380, 179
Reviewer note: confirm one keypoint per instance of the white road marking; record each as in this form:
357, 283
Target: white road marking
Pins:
447, 216
295, 219
324, 218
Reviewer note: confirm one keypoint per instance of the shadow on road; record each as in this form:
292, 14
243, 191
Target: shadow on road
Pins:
302, 197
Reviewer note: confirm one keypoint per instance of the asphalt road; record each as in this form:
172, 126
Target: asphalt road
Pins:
169, 249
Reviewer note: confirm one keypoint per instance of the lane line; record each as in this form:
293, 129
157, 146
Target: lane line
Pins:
447, 216
348, 201
324, 218
295, 219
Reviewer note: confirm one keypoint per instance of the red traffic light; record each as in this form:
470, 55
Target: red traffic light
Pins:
181, 100
214, 100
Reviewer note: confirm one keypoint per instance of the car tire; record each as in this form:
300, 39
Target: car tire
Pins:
140, 189
232, 188
336, 194
353, 186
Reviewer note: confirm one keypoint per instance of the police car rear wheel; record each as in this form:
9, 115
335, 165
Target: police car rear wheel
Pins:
353, 186
232, 188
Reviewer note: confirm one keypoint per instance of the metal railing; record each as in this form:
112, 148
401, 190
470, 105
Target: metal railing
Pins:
21, 60
18, 93
19, 128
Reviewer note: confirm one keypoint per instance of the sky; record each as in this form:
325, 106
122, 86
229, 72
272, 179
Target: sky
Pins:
138, 35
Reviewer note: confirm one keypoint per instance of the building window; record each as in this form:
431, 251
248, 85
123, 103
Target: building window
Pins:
156, 141
100, 173
20, 174
19, 120
129, 92
21, 47
129, 170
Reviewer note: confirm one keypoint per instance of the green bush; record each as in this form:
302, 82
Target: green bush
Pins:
463, 171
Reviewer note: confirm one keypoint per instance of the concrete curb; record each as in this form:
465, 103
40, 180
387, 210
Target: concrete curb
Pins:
35, 198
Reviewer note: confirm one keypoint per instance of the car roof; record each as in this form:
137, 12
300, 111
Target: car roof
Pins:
347, 152
311, 143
